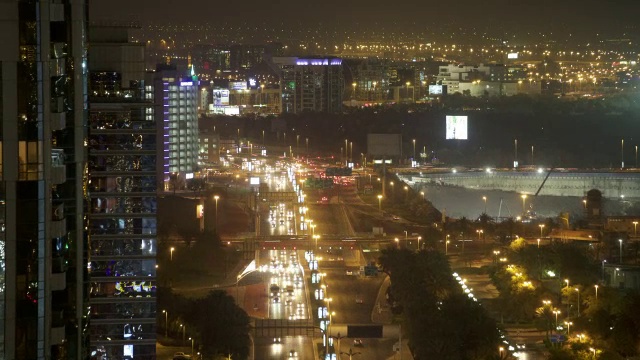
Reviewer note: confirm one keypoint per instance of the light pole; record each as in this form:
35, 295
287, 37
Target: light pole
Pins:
620, 241
578, 291
485, 204
636, 156
191, 339
306, 140
603, 262
568, 323
414, 149
166, 323
541, 227
422, 193
419, 238
622, 153
446, 245
171, 253
635, 228
397, 242
556, 312
596, 286
524, 199
380, 203
216, 198
406, 193
501, 349
538, 243
184, 330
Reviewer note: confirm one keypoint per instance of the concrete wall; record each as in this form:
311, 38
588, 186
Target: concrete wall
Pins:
612, 185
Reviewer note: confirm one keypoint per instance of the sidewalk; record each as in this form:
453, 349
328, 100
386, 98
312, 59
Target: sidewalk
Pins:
381, 313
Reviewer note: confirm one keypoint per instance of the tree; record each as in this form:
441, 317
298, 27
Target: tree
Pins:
222, 326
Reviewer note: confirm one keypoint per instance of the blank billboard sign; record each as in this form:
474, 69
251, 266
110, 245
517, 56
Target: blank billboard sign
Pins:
384, 144
456, 127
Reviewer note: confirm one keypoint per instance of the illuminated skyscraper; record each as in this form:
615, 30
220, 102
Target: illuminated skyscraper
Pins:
176, 106
122, 195
43, 309
310, 84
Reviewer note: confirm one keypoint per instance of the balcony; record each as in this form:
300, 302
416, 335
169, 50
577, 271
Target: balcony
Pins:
58, 335
58, 168
57, 67
58, 281
58, 120
58, 228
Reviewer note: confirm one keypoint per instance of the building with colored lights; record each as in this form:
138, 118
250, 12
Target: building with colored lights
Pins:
122, 143
43, 308
310, 84
176, 110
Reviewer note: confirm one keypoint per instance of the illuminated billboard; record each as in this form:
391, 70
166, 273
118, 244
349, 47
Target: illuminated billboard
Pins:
220, 97
237, 85
512, 55
435, 89
456, 127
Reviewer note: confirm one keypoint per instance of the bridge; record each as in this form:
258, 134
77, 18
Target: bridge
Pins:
272, 328
284, 242
613, 185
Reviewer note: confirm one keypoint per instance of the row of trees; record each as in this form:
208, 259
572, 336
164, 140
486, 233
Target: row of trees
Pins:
536, 290
440, 320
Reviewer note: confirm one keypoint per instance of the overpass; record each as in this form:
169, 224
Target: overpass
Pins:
284, 242
613, 185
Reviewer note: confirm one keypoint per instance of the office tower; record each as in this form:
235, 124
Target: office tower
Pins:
42, 134
122, 199
310, 84
176, 105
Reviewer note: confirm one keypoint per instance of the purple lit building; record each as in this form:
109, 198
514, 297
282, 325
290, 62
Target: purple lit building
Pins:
176, 106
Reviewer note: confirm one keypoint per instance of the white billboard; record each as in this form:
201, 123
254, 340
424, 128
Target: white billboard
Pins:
220, 97
512, 55
435, 89
237, 85
456, 127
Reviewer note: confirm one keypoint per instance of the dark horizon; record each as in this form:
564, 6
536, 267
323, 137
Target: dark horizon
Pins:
576, 15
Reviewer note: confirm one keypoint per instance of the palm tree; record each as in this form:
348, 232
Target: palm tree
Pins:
350, 354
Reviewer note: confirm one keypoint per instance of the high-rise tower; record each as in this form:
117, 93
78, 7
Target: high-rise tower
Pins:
42, 179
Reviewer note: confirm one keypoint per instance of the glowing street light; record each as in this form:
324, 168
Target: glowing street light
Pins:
485, 204
556, 312
524, 199
596, 286
380, 202
541, 226
620, 241
568, 323
171, 253
166, 322
216, 198
635, 228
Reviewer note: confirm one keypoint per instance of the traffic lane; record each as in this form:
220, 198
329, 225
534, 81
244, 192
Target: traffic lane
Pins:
267, 350
371, 349
353, 297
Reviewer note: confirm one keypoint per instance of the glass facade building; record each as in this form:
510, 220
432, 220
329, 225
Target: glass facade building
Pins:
122, 200
176, 104
43, 303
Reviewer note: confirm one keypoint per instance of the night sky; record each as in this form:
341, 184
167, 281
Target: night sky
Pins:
576, 13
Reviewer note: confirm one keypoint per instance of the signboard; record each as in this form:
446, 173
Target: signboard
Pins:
237, 85
220, 97
384, 144
435, 89
512, 55
456, 127
254, 181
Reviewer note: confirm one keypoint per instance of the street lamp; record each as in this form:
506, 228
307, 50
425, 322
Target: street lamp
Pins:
501, 349
568, 323
192, 339
422, 193
446, 246
184, 330
380, 203
485, 204
414, 149
216, 198
397, 242
524, 199
541, 227
635, 228
419, 238
578, 291
556, 312
166, 322
620, 241
567, 281
538, 243
171, 253
596, 286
